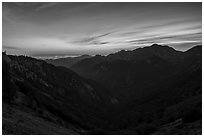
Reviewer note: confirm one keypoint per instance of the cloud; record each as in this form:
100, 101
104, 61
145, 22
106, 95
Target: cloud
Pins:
93, 40
49, 27
171, 24
45, 6
14, 12
6, 13
170, 39
84, 6
11, 48
171, 32
34, 6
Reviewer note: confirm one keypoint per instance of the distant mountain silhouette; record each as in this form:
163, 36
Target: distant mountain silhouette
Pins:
149, 80
66, 62
136, 68
150, 90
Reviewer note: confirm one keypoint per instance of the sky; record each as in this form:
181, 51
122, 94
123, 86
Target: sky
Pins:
58, 29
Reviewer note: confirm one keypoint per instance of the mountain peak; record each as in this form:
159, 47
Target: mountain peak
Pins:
160, 46
156, 45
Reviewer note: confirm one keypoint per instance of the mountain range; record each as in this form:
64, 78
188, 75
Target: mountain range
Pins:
150, 90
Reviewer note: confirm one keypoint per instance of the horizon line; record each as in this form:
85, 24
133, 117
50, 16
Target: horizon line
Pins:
74, 56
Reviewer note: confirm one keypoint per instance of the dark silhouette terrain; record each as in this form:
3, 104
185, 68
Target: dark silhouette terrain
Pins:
151, 90
67, 62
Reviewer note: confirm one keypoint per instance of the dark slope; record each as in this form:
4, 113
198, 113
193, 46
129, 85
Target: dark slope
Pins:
155, 85
131, 70
66, 62
152, 90
45, 89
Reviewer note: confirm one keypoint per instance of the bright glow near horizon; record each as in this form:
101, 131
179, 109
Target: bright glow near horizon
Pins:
69, 29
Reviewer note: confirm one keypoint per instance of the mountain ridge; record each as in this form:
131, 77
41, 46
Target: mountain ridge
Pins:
143, 63
138, 92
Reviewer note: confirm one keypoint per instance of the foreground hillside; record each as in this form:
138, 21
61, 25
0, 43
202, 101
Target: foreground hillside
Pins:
33, 86
152, 90
18, 121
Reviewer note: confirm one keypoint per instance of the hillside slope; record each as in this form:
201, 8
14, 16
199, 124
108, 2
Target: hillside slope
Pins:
152, 90
46, 89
